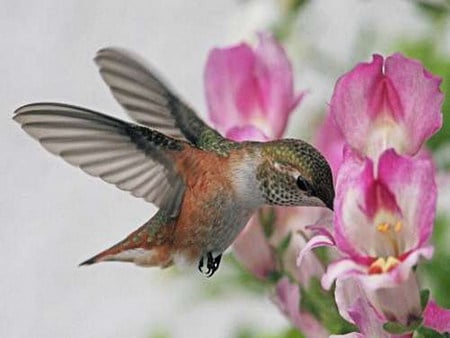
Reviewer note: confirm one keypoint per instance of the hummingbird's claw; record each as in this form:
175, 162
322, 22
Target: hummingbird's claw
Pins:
200, 265
212, 264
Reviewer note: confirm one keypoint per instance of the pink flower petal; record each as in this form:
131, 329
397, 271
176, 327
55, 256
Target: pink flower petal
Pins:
412, 182
420, 99
314, 242
436, 317
287, 298
274, 75
354, 232
398, 303
367, 320
296, 220
347, 291
354, 306
341, 268
231, 88
401, 190
257, 253
348, 335
397, 109
246, 86
246, 133
330, 142
395, 293
253, 251
353, 100
347, 267
399, 274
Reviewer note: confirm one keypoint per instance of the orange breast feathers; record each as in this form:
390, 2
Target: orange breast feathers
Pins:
203, 171
208, 186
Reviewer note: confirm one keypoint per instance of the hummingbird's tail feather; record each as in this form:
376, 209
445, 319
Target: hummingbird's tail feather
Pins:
141, 257
135, 249
89, 261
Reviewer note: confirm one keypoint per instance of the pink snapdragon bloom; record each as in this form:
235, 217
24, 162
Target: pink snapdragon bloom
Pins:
356, 308
392, 103
250, 92
387, 211
383, 221
287, 297
385, 203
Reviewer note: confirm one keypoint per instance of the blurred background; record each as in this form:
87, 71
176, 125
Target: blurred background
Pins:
53, 216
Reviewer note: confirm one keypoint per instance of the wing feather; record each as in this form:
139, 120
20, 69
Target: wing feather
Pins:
147, 99
131, 157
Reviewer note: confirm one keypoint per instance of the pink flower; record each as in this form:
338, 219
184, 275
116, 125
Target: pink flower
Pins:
246, 133
250, 89
330, 142
257, 250
386, 211
355, 307
287, 298
436, 318
394, 103
383, 220
253, 250
385, 203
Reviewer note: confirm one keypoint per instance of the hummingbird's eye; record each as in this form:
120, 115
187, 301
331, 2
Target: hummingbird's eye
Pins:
304, 185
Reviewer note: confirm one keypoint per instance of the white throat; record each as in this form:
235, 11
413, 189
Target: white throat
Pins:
245, 183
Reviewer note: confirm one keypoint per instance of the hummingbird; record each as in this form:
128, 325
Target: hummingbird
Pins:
206, 186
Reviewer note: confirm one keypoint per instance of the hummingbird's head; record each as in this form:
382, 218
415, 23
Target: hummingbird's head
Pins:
294, 173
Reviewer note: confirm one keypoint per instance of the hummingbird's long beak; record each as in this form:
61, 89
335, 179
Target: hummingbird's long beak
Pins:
329, 201
330, 205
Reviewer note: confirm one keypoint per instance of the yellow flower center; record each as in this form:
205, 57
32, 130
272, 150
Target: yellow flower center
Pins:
385, 227
390, 229
382, 265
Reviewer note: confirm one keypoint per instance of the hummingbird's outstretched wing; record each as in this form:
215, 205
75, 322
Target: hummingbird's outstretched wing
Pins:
148, 100
132, 157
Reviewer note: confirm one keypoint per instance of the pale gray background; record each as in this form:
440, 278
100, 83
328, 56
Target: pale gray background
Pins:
53, 216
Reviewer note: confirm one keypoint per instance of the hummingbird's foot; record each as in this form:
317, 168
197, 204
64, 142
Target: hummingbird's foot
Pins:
212, 264
200, 265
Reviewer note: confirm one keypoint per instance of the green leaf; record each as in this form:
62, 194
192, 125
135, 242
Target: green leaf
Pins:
426, 332
397, 328
321, 304
274, 276
284, 244
436, 272
251, 332
424, 296
292, 333
267, 218
160, 334
434, 9
323, 253
416, 323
